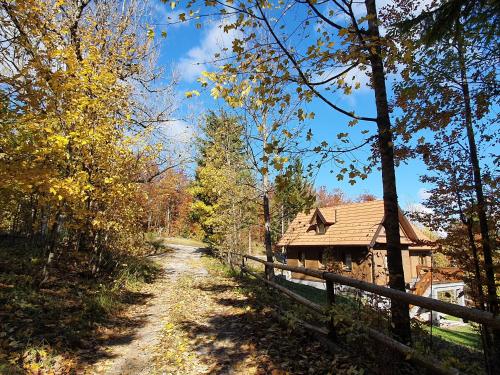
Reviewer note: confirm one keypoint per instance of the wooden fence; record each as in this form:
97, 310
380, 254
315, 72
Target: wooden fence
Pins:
425, 361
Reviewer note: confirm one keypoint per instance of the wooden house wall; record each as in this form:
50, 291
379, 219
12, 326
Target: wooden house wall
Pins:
380, 271
361, 263
312, 260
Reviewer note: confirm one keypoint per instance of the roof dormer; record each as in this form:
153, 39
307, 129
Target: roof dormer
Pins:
319, 222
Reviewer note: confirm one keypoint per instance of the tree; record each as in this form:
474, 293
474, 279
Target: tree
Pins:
451, 208
270, 137
167, 204
438, 20
345, 38
293, 194
336, 197
366, 197
71, 145
223, 187
451, 87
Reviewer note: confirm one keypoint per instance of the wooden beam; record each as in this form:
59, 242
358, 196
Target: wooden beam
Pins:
298, 298
475, 315
409, 354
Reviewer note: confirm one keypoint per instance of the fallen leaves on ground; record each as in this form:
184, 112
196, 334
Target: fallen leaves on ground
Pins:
215, 327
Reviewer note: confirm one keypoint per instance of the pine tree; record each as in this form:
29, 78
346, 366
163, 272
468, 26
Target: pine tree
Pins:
223, 188
293, 194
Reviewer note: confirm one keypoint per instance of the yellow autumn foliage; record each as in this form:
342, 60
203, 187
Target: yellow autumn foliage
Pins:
70, 155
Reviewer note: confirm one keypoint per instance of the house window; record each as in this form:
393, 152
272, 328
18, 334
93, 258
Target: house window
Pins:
302, 259
449, 295
347, 261
320, 228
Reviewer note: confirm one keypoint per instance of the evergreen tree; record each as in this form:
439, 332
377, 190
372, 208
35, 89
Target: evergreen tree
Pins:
223, 189
293, 194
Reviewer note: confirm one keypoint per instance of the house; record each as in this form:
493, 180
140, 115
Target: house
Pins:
353, 235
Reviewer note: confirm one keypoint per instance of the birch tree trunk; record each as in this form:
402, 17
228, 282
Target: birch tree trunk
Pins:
265, 203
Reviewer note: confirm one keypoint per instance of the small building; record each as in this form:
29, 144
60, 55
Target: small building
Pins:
354, 234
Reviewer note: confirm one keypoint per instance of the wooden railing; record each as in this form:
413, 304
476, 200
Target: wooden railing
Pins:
470, 314
423, 284
427, 275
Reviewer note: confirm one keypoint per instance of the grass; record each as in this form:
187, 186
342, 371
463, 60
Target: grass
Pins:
462, 335
311, 293
447, 343
160, 244
258, 248
452, 318
353, 343
157, 241
45, 328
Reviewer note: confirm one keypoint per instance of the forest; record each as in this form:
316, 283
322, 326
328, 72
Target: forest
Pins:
113, 162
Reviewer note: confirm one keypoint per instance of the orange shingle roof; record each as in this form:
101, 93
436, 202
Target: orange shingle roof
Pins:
354, 224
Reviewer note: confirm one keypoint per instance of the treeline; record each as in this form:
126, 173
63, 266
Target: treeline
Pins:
76, 147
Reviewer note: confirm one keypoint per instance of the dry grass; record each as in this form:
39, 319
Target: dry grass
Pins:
184, 241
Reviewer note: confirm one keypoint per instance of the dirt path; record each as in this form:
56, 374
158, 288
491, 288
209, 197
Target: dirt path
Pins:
135, 356
200, 320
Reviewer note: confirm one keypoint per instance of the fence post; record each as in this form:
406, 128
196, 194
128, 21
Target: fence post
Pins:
330, 299
242, 267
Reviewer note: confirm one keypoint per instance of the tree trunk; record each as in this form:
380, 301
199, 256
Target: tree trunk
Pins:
493, 305
51, 248
282, 219
399, 311
249, 241
467, 221
168, 220
477, 269
149, 220
267, 212
267, 240
234, 236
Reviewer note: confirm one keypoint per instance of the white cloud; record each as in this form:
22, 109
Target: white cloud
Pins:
178, 140
200, 58
418, 207
179, 131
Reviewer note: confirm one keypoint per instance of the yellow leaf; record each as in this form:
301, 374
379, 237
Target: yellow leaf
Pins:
190, 94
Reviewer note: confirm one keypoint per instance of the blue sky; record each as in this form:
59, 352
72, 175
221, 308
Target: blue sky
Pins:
187, 50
